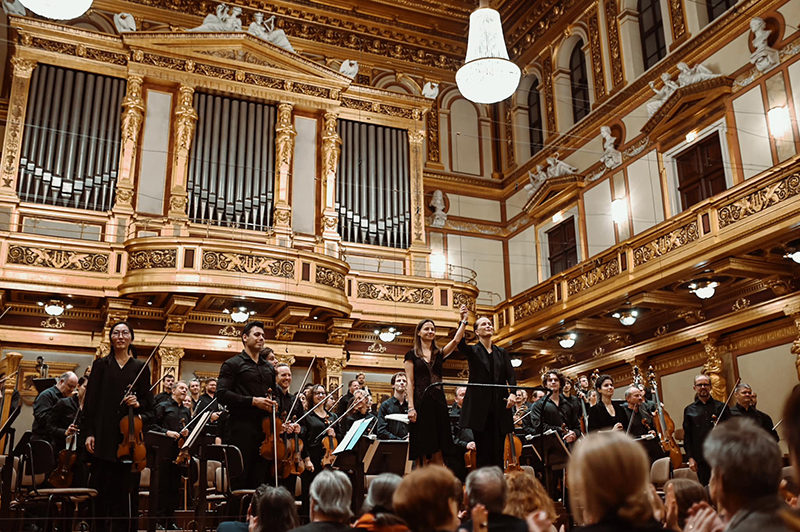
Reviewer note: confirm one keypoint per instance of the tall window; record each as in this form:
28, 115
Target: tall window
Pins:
535, 118
701, 171
718, 7
579, 81
563, 246
651, 30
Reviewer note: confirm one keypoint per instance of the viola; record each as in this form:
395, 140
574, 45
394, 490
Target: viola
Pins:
329, 443
512, 450
132, 449
272, 446
61, 477
292, 463
665, 426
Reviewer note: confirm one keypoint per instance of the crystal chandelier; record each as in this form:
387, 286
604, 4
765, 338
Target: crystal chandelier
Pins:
487, 75
58, 9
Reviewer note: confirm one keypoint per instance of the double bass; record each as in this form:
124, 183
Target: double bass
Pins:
665, 426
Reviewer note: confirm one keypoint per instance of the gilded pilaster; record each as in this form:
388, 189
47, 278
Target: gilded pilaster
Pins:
677, 14
419, 250
12, 361
185, 121
284, 150
612, 29
15, 125
168, 360
331, 149
597, 56
132, 118
713, 368
432, 122
330, 373
549, 97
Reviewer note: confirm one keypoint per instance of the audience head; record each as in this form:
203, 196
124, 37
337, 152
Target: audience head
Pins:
67, 383
381, 491
427, 499
526, 495
608, 476
461, 392
272, 510
487, 486
330, 497
361, 378
745, 463
687, 493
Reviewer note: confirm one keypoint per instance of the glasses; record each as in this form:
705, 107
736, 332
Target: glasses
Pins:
319, 393
703, 385
117, 334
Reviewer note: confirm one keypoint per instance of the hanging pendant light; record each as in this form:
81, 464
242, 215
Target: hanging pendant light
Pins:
58, 9
487, 75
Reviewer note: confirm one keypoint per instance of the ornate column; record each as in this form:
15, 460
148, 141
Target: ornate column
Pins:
330, 373
614, 46
596, 54
284, 150
185, 120
419, 250
549, 96
794, 313
132, 118
15, 125
167, 359
9, 385
331, 149
713, 368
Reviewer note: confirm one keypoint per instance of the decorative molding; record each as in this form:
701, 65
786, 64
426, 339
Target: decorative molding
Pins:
230, 330
678, 19
52, 322
330, 278
666, 243
762, 199
510, 156
636, 149
377, 347
78, 50
713, 369
432, 126
152, 258
460, 298
545, 14
534, 304
740, 304
598, 75
59, 259
395, 293
692, 316
598, 274
285, 332
15, 121
549, 97
612, 29
251, 264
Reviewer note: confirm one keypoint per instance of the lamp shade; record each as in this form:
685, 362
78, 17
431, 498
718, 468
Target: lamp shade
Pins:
58, 9
487, 75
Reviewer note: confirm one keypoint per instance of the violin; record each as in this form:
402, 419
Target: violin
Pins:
329, 443
512, 450
519, 414
292, 463
665, 426
273, 445
132, 449
61, 477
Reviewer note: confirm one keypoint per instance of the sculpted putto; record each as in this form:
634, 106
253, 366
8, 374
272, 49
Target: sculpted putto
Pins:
661, 94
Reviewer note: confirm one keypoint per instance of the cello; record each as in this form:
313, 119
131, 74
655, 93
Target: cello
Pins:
665, 426
512, 450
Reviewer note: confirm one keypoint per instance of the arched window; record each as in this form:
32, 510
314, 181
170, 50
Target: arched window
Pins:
535, 118
651, 30
579, 81
718, 7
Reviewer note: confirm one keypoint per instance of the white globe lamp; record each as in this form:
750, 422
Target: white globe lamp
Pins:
58, 9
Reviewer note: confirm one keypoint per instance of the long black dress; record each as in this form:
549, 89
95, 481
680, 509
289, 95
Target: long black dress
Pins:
431, 432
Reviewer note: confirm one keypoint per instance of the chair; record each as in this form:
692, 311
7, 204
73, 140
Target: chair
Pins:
685, 472
232, 466
660, 473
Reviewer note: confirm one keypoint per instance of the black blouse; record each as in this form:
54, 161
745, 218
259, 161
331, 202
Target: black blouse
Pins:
600, 419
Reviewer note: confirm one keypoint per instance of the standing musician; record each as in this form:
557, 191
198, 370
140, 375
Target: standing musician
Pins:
61, 423
168, 382
521, 405
396, 404
606, 414
556, 412
285, 400
352, 386
640, 421
244, 382
208, 397
698, 420
315, 423
360, 411
46, 400
744, 407
171, 418
194, 393
487, 411
107, 402
429, 423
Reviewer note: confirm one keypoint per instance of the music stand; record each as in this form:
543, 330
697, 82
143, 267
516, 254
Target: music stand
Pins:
7, 471
43, 384
386, 456
350, 456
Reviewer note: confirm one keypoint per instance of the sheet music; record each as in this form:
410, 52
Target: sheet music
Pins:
353, 435
197, 430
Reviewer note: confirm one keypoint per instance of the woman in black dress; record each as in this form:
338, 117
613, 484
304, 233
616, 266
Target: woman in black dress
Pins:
315, 423
429, 427
606, 414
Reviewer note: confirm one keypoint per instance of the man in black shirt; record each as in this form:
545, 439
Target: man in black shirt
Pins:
744, 407
463, 438
698, 420
168, 382
46, 400
557, 413
290, 409
641, 422
352, 386
62, 424
397, 404
171, 419
245, 380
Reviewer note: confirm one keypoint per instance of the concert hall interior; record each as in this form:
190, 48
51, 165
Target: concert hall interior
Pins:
615, 200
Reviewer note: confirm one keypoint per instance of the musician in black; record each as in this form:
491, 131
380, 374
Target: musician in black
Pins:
62, 423
107, 402
245, 380
290, 409
168, 382
396, 404
352, 386
359, 410
463, 439
46, 400
171, 418
641, 422
607, 414
698, 420
744, 407
556, 413
317, 422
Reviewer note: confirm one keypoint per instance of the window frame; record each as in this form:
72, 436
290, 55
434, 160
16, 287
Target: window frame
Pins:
651, 57
535, 126
579, 88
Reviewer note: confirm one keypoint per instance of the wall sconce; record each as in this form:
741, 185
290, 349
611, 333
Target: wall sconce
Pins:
626, 317
780, 123
703, 288
567, 340
619, 211
691, 136
795, 256
516, 362
239, 314
54, 307
387, 334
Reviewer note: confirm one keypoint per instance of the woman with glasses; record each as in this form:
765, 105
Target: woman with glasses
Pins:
315, 424
108, 398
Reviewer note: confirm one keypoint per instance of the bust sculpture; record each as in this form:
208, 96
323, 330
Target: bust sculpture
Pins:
437, 202
556, 168
764, 57
661, 94
124, 22
611, 157
349, 68
224, 19
430, 90
691, 75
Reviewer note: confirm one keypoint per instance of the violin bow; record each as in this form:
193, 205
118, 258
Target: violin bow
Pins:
146, 363
4, 312
716, 421
338, 419
321, 401
305, 379
169, 371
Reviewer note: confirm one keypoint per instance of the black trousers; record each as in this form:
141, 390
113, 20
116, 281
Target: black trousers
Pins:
169, 491
703, 471
489, 444
117, 503
248, 438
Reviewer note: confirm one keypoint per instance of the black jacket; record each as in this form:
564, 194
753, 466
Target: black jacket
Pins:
59, 420
169, 415
499, 523
547, 416
42, 406
761, 419
698, 420
600, 419
391, 430
461, 435
480, 403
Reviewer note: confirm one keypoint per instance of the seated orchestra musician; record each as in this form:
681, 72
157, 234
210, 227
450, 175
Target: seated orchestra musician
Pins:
388, 429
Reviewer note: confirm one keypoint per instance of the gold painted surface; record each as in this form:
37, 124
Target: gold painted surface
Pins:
612, 30
597, 56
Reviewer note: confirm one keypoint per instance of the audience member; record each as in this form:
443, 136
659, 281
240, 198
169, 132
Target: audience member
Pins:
427, 499
487, 486
745, 473
680, 495
527, 495
271, 510
330, 498
608, 476
378, 510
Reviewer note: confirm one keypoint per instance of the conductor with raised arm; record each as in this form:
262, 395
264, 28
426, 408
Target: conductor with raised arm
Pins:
487, 411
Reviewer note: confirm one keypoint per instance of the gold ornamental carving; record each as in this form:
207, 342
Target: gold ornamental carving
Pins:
794, 313
676, 13
177, 204
417, 165
230, 330
377, 347
123, 196
333, 365
740, 304
59, 259
337, 336
329, 277
549, 96
596, 275
460, 298
597, 56
170, 356
534, 304
510, 157
251, 264
152, 258
285, 359
184, 123
28, 371
15, 123
540, 19
395, 293
666, 243
331, 145
284, 138
77, 50
285, 332
52, 322
780, 286
612, 27
692, 317
132, 119
432, 126
103, 350
176, 323
760, 200
713, 369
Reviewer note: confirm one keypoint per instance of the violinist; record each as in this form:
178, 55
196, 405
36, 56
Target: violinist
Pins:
245, 381
554, 411
60, 426
105, 405
171, 418
46, 400
744, 407
396, 404
352, 386
642, 422
521, 406
286, 402
168, 383
698, 420
359, 411
194, 394
607, 414
314, 423
462, 437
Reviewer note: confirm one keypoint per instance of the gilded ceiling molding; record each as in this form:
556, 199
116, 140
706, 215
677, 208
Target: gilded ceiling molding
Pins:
79, 50
545, 15
598, 74
612, 29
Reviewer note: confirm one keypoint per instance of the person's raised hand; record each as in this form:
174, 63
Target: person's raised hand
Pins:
539, 522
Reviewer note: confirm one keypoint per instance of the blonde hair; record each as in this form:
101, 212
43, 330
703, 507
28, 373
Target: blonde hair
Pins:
608, 475
525, 495
423, 498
